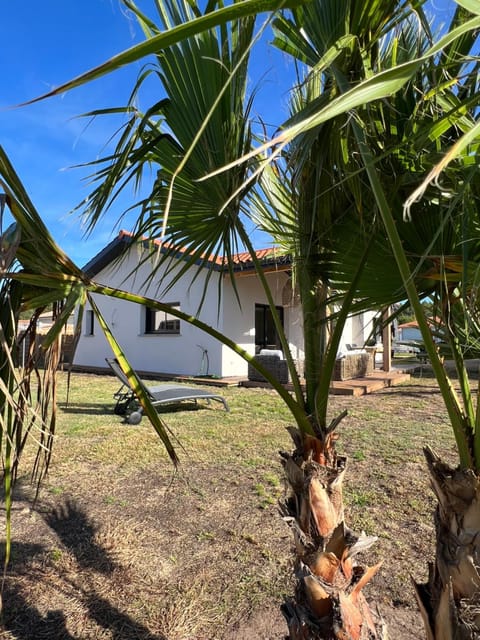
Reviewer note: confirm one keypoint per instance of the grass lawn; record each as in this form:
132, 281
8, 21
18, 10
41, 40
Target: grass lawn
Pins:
119, 546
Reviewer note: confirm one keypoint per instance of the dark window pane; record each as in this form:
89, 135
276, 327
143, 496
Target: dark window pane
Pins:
157, 321
266, 336
89, 323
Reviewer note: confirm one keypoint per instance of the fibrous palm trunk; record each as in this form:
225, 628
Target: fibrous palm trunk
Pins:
450, 600
328, 602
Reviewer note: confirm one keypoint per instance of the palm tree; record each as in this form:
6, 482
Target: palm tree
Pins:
304, 203
336, 240
435, 246
347, 72
204, 217
437, 255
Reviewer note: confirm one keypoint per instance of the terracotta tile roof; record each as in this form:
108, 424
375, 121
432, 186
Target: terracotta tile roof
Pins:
262, 254
413, 324
271, 257
408, 325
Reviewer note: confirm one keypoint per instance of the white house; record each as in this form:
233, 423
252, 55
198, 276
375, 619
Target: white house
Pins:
157, 342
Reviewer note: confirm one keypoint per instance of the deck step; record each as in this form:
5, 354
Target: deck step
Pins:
369, 384
355, 387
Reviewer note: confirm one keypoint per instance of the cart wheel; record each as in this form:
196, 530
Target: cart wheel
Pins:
134, 418
120, 409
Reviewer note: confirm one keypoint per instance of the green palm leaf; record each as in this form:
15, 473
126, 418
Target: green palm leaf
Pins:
178, 32
201, 125
158, 424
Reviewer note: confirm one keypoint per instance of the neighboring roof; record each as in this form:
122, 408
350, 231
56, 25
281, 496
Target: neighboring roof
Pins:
271, 258
413, 324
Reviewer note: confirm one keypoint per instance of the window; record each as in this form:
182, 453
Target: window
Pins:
89, 323
161, 321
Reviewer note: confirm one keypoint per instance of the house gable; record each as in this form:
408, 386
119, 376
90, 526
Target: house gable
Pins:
179, 350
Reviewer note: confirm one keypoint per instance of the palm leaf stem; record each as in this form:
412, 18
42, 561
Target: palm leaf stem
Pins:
476, 441
7, 437
295, 408
48, 411
462, 373
277, 322
313, 296
379, 86
7, 485
135, 381
469, 417
171, 37
11, 297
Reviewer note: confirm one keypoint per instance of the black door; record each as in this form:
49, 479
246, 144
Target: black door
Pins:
266, 336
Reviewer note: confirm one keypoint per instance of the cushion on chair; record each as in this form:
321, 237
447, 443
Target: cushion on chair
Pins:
355, 365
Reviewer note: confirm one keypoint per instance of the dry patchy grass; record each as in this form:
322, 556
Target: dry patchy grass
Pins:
119, 546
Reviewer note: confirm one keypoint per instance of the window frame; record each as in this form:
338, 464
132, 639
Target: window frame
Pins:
89, 322
153, 317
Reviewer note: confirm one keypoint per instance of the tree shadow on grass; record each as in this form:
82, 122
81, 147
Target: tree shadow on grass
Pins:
25, 622
20, 618
121, 625
90, 409
21, 554
184, 407
78, 533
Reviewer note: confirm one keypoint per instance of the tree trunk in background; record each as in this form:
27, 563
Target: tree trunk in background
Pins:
387, 344
328, 602
450, 600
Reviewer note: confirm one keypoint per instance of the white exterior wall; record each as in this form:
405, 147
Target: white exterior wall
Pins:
357, 331
294, 321
347, 336
362, 326
182, 353
239, 321
156, 353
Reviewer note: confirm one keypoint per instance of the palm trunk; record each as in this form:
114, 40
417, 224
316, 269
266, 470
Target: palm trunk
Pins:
450, 600
328, 602
313, 295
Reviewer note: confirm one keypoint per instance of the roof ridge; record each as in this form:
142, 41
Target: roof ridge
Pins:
241, 256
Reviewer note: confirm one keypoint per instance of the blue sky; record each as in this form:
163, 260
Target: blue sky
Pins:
44, 44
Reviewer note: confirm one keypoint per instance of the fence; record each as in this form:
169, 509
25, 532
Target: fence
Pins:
66, 353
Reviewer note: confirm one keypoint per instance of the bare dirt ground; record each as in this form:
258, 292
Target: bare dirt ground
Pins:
119, 547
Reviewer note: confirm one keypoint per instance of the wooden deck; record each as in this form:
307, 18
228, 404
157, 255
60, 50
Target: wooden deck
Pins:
377, 380
357, 387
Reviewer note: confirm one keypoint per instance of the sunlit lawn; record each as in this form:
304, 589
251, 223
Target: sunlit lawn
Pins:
194, 553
